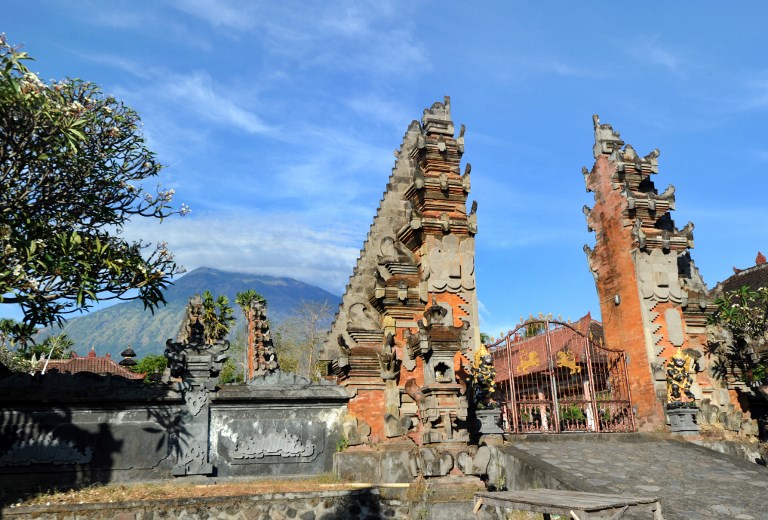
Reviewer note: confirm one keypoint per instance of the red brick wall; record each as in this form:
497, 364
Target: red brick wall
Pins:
368, 405
623, 323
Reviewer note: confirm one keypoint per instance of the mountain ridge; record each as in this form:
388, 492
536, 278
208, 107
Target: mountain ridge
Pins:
114, 328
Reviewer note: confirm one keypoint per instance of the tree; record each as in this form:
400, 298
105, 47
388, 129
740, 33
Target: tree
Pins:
72, 165
247, 298
13, 362
57, 347
743, 315
298, 338
217, 316
15, 334
151, 364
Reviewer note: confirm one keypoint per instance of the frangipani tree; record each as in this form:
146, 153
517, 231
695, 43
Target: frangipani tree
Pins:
73, 164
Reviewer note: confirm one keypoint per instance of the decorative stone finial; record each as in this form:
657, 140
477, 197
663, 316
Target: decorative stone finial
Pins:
607, 140
437, 118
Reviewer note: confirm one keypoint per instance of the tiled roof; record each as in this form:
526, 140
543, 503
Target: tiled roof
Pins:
90, 363
754, 278
530, 354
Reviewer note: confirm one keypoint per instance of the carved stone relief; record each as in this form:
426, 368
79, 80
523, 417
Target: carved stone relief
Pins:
450, 264
275, 444
362, 317
658, 275
674, 327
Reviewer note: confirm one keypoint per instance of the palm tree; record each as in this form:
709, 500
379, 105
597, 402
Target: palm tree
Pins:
217, 316
247, 298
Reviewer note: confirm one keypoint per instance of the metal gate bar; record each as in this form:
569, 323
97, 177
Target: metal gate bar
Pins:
553, 378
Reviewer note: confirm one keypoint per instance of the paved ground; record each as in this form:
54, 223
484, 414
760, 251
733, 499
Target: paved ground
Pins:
692, 482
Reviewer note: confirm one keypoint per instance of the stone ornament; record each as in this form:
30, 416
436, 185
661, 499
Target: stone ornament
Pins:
273, 444
679, 381
450, 265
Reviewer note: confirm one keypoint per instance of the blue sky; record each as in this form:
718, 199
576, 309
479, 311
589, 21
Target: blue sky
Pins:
277, 122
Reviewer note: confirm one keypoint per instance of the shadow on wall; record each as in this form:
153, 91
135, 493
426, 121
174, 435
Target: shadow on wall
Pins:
59, 431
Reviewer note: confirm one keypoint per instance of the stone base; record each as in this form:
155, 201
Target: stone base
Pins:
683, 421
488, 421
445, 489
403, 465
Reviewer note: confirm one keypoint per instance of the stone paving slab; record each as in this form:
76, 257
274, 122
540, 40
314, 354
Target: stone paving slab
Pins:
692, 482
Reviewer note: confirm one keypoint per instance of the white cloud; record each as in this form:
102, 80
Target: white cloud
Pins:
219, 13
198, 92
650, 51
279, 245
382, 110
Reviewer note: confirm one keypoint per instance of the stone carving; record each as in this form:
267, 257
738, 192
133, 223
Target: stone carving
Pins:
46, 449
673, 295
607, 140
362, 317
192, 329
198, 365
356, 432
420, 249
679, 381
393, 252
395, 425
450, 265
658, 274
191, 358
472, 224
388, 359
483, 378
194, 455
429, 462
274, 444
195, 401
264, 355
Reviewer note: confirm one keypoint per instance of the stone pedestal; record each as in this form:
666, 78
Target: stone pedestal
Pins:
683, 420
488, 421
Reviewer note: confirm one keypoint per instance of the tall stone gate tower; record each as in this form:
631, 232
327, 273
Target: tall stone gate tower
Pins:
652, 298
407, 324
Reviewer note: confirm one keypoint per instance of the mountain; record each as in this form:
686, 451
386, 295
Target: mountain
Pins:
112, 329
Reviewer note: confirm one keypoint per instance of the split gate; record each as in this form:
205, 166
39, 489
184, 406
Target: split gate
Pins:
552, 378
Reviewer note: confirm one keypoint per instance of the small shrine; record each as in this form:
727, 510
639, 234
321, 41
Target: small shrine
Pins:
197, 363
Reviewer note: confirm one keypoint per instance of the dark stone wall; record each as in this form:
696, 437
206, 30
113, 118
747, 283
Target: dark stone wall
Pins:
63, 430
264, 431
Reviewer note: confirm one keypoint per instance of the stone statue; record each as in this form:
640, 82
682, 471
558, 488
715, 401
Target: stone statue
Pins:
483, 378
388, 358
679, 381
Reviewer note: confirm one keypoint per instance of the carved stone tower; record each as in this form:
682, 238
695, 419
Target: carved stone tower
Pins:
407, 324
642, 268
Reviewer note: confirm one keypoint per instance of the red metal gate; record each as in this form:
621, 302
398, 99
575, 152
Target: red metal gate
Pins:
552, 378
